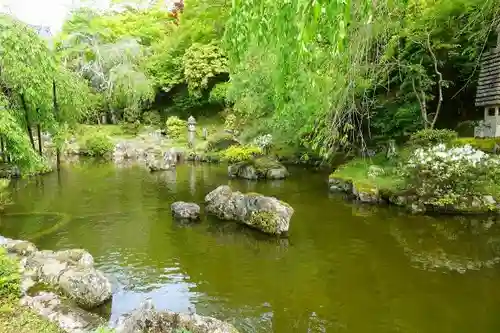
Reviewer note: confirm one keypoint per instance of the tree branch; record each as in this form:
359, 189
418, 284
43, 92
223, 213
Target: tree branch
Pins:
440, 80
421, 101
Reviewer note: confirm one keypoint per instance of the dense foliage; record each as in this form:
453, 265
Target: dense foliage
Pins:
334, 74
34, 91
322, 75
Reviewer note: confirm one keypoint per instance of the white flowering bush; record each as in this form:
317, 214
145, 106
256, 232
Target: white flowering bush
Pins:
444, 176
264, 142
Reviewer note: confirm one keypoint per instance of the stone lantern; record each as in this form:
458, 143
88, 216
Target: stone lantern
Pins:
191, 130
488, 93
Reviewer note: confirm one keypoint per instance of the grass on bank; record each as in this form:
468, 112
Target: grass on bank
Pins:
15, 318
357, 171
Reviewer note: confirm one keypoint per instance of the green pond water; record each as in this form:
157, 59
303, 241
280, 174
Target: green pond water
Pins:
343, 268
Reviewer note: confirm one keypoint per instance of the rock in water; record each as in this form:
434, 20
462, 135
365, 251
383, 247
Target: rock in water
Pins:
87, 286
147, 319
258, 168
66, 315
266, 214
185, 210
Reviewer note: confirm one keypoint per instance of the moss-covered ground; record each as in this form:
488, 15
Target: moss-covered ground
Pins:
357, 172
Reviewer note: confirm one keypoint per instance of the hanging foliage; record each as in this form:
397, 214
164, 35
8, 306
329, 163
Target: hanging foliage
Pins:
320, 68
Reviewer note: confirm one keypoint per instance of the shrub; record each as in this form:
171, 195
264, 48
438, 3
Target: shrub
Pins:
230, 122
151, 118
431, 137
395, 121
264, 142
131, 128
176, 127
218, 94
10, 284
451, 176
235, 154
98, 145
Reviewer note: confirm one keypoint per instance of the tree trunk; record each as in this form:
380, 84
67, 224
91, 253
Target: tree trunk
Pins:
27, 119
4, 153
39, 134
7, 152
56, 114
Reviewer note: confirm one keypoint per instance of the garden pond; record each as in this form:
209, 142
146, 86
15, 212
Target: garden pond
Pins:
344, 267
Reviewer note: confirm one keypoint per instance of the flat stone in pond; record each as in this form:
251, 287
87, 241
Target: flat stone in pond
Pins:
185, 210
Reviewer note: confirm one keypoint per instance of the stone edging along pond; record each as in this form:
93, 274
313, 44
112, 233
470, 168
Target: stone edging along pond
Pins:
63, 287
410, 201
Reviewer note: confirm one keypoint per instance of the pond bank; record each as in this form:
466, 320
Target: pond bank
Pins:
63, 287
433, 178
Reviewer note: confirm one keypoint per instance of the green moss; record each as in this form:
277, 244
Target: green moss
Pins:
264, 163
485, 144
265, 221
356, 171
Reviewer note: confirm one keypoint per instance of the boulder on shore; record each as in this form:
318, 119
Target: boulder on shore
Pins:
158, 163
70, 271
258, 168
18, 247
266, 214
64, 313
147, 319
185, 210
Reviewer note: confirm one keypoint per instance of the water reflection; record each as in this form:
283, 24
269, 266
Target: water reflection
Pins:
456, 244
343, 268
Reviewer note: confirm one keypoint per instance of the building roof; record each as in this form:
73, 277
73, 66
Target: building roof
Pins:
488, 88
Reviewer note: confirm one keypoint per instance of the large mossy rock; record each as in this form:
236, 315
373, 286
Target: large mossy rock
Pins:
71, 272
364, 193
258, 168
146, 319
221, 141
266, 214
